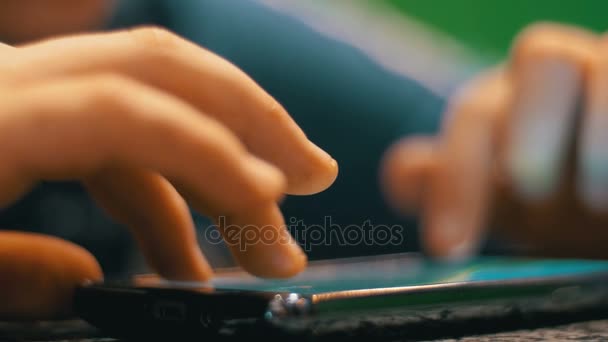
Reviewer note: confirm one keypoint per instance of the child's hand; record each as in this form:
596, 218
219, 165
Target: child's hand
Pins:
145, 120
524, 150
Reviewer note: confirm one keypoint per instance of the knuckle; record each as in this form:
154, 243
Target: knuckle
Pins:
272, 112
154, 38
537, 39
154, 46
112, 112
108, 88
110, 92
551, 40
482, 97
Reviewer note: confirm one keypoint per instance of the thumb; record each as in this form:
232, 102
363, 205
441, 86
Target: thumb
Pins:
38, 274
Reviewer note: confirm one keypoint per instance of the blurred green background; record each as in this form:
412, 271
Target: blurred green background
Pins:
488, 26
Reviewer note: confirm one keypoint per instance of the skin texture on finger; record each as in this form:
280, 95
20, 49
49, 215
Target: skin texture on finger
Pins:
38, 275
592, 177
405, 171
161, 59
158, 218
548, 70
459, 190
73, 128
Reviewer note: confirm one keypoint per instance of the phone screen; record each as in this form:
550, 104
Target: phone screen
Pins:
405, 270
403, 292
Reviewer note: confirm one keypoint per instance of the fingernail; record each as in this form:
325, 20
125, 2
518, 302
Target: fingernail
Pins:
332, 167
543, 114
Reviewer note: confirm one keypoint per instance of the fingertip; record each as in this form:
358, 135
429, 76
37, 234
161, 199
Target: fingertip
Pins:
192, 267
202, 270
460, 185
89, 268
326, 177
317, 176
404, 172
449, 251
261, 243
455, 208
281, 263
270, 257
333, 169
298, 263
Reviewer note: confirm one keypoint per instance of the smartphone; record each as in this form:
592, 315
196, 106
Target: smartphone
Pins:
388, 296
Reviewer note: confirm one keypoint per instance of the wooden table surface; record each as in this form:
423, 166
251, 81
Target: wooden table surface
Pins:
77, 331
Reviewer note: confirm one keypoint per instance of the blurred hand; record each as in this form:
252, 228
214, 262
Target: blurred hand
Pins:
523, 149
144, 119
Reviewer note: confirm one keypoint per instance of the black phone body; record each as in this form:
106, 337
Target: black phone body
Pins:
399, 295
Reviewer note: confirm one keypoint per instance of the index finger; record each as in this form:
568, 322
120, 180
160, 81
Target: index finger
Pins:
459, 191
215, 86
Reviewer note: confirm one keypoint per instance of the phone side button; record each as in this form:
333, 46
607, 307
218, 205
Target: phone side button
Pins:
166, 310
